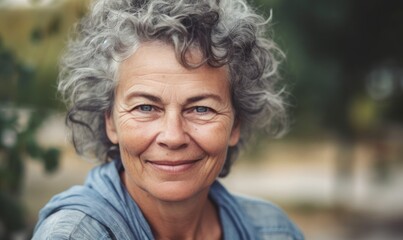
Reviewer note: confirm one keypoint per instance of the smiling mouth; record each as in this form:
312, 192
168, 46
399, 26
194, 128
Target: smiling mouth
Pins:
173, 166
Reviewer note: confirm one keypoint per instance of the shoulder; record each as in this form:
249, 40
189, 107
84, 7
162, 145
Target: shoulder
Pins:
268, 219
71, 224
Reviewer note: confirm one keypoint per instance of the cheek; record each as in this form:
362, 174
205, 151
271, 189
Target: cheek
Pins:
134, 138
213, 139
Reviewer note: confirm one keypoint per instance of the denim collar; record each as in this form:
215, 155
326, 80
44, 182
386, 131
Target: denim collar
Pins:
104, 198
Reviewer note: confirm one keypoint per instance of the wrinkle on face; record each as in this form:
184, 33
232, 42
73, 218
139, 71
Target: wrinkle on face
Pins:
153, 77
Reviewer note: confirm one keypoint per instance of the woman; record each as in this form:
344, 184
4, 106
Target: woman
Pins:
164, 93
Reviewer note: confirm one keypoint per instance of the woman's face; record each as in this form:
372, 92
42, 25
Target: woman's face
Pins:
173, 125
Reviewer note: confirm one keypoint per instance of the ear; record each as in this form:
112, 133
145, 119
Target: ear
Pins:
111, 128
235, 134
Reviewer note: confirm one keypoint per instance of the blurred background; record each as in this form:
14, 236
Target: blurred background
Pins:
339, 171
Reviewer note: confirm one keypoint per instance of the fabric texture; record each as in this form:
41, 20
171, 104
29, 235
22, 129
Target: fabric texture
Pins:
103, 209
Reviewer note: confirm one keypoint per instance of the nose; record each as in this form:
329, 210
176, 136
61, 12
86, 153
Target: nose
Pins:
173, 135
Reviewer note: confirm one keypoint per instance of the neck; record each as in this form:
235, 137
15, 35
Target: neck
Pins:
190, 220
195, 218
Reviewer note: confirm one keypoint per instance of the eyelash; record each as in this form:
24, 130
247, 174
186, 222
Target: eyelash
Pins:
150, 108
206, 109
139, 108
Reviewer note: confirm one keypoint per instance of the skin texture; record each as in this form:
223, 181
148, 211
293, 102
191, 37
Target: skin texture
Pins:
173, 126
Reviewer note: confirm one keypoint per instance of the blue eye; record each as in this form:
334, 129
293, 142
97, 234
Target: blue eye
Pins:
145, 108
201, 109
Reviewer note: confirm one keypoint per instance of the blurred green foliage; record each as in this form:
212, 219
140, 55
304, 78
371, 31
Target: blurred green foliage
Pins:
17, 140
345, 61
31, 40
17, 144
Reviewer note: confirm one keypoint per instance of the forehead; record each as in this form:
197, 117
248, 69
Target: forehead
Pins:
158, 57
155, 64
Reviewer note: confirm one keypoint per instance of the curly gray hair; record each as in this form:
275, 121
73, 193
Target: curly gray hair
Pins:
227, 32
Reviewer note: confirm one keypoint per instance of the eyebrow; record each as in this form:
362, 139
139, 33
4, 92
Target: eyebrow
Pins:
144, 95
202, 97
190, 100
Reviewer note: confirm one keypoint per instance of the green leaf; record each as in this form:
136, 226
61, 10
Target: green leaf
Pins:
51, 159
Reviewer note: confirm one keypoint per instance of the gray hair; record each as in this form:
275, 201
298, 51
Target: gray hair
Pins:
227, 32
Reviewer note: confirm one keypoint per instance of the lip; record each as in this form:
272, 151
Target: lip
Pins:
173, 167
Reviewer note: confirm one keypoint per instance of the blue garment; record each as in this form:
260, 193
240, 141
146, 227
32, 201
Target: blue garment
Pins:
103, 209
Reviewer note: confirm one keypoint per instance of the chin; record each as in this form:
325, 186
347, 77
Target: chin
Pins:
177, 191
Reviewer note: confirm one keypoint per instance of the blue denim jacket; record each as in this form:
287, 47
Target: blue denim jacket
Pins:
241, 217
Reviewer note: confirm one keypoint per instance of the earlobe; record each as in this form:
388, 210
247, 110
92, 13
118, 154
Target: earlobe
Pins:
235, 134
111, 128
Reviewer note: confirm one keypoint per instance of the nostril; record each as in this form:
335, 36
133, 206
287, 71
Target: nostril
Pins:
173, 146
173, 140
